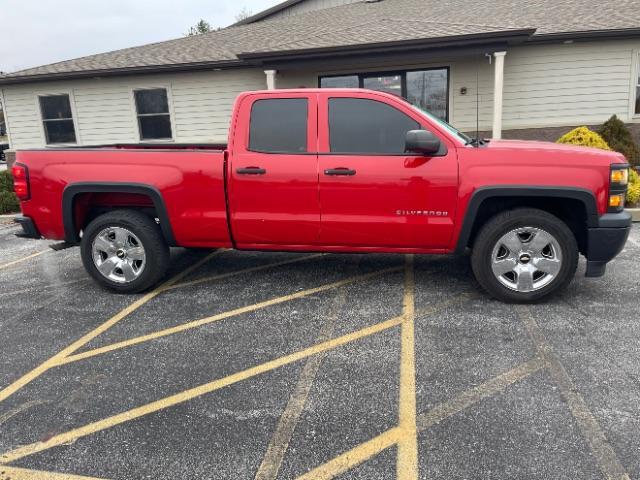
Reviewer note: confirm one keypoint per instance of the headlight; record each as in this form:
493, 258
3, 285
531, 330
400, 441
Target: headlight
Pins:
619, 176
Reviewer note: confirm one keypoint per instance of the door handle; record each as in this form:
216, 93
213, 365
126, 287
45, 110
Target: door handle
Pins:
340, 171
251, 171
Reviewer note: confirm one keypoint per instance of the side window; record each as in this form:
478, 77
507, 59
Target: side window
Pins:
279, 125
358, 125
152, 109
57, 119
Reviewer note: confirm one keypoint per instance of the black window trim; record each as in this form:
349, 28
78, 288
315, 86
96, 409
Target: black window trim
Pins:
403, 79
44, 121
169, 113
271, 152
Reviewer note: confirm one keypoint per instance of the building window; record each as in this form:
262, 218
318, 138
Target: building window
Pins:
427, 89
360, 126
154, 119
279, 126
57, 119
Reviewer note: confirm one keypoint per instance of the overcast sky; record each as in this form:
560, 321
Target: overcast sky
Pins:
37, 32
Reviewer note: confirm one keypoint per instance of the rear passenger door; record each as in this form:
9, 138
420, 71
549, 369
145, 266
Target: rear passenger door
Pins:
273, 187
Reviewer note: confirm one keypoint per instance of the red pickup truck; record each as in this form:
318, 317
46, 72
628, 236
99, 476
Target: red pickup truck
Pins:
333, 171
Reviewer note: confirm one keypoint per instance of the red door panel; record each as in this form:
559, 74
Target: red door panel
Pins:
386, 201
274, 196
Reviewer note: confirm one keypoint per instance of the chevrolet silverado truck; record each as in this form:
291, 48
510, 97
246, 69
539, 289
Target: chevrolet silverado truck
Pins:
333, 170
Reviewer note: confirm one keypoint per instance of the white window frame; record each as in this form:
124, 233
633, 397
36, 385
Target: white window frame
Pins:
635, 83
74, 117
134, 110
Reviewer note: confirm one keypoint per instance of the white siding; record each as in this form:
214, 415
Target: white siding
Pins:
568, 84
308, 6
104, 112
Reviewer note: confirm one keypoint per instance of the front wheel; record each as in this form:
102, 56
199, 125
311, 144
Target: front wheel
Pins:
124, 251
524, 255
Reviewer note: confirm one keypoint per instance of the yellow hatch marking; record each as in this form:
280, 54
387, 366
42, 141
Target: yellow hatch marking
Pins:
20, 260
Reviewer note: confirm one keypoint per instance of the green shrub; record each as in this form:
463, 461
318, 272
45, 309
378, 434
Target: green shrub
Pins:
8, 202
584, 137
619, 138
633, 190
6, 181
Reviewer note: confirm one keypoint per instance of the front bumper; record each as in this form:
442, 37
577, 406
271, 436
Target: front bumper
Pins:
29, 229
606, 241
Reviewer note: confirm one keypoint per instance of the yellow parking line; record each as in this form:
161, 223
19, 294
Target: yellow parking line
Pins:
355, 456
244, 270
19, 260
407, 460
373, 447
55, 360
478, 393
220, 316
600, 447
192, 393
279, 443
11, 473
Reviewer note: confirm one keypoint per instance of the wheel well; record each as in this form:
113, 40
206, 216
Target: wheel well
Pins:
570, 210
89, 205
82, 202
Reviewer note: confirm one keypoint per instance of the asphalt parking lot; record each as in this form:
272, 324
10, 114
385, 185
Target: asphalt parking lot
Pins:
276, 365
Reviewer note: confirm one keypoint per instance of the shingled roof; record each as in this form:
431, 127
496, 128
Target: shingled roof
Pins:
354, 26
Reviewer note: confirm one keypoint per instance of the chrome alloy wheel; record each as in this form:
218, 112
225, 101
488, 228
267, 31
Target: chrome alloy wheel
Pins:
526, 259
118, 254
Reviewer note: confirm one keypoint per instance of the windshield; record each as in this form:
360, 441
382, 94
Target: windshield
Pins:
451, 129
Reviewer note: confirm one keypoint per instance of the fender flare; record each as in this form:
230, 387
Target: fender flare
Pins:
74, 189
586, 197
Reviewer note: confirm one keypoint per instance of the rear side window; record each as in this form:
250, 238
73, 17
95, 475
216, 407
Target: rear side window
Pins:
358, 125
279, 125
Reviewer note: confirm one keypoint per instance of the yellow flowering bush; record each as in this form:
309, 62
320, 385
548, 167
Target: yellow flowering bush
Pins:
584, 137
633, 190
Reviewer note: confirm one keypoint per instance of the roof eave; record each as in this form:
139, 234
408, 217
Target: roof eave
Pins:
508, 36
113, 72
585, 35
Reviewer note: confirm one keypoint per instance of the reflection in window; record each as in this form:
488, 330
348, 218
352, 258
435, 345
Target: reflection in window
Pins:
426, 89
57, 119
637, 110
389, 84
347, 81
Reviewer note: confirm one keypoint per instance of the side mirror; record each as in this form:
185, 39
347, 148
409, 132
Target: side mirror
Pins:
421, 141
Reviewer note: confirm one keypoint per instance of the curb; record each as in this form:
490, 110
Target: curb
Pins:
635, 214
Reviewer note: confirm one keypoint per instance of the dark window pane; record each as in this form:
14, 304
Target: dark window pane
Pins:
60, 131
152, 101
279, 125
347, 81
55, 106
390, 84
155, 127
638, 100
366, 126
428, 91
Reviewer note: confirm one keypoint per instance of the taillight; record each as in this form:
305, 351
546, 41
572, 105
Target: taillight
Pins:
20, 175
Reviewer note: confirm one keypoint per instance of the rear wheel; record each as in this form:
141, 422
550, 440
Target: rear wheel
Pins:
524, 255
125, 251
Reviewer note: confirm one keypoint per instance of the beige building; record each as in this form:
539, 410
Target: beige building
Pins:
514, 68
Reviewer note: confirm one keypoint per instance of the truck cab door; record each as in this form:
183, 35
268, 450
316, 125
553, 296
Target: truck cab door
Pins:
373, 195
273, 171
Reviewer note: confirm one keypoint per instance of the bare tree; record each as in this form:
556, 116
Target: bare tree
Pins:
243, 14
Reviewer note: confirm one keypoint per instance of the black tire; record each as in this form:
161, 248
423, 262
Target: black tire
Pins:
503, 223
147, 231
